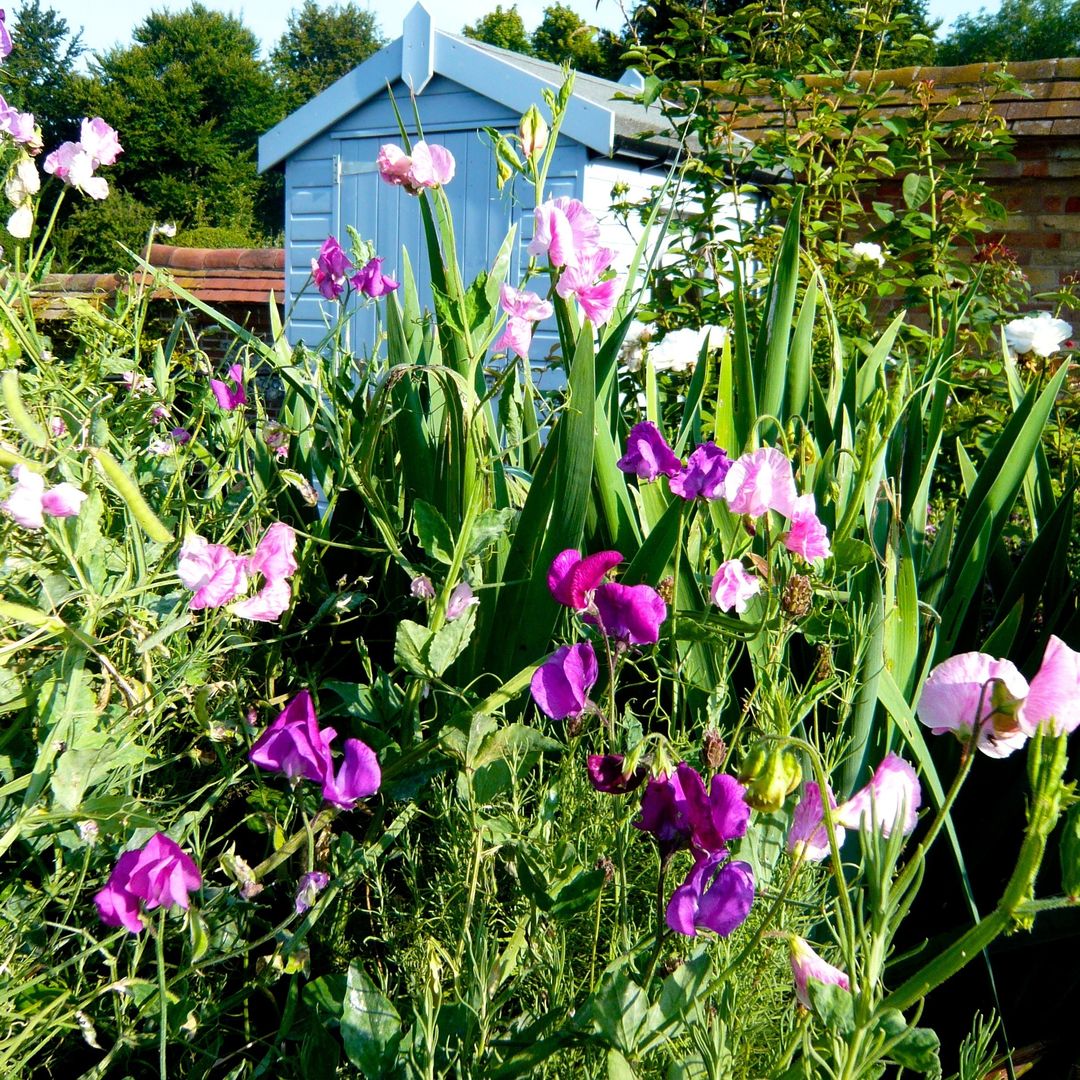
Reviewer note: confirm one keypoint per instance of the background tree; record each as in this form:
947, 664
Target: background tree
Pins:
1019, 30
190, 98
564, 37
39, 75
503, 28
319, 46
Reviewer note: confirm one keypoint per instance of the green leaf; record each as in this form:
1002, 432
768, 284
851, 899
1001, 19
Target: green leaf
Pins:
918, 1051
579, 895
428, 654
433, 532
618, 1068
410, 647
834, 1005
617, 1011
370, 1025
917, 189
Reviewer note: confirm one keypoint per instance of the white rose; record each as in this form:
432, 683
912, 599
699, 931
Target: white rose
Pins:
1041, 334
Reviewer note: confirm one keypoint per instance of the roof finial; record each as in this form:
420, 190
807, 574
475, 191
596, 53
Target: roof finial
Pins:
417, 49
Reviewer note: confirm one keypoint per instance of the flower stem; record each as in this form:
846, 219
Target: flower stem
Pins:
163, 1035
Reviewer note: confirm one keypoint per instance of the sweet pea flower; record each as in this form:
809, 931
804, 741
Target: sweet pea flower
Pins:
212, 571
393, 164
807, 966
976, 691
760, 481
732, 586
1054, 696
808, 838
20, 222
180, 435
1040, 334
680, 349
648, 454
294, 744
308, 888
100, 141
891, 799
573, 580
704, 474
807, 537
429, 166
371, 281
21, 126
358, 777
664, 813
582, 281
560, 685
159, 874
267, 605
230, 397
24, 504
524, 310
23, 182
607, 774
629, 613
329, 269
6, 44
74, 162
62, 501
715, 896
564, 230
461, 599
275, 561
422, 587
867, 252
678, 812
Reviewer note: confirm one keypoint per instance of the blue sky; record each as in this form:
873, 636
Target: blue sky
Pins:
106, 24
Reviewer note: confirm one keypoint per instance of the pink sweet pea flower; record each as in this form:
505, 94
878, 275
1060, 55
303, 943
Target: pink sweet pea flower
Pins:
20, 126
524, 309
100, 141
807, 537
974, 690
807, 966
72, 164
393, 164
732, 586
648, 454
704, 474
159, 874
564, 231
461, 599
1054, 696
371, 281
294, 744
560, 685
308, 888
581, 280
572, 580
629, 613
808, 838
891, 799
329, 269
267, 605
760, 481
212, 572
6, 44
230, 397
274, 556
432, 165
24, 504
64, 500
358, 777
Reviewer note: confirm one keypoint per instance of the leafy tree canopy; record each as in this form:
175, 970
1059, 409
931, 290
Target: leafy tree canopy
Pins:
319, 46
503, 28
1019, 30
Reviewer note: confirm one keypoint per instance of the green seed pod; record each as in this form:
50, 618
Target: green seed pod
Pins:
1070, 853
129, 491
28, 427
770, 775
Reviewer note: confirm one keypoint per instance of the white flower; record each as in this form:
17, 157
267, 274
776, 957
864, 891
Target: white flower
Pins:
864, 252
168, 229
680, 349
21, 222
22, 182
636, 341
80, 175
1041, 334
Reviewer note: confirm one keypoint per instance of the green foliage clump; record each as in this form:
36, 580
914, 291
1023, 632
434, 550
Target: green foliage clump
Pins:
1017, 30
93, 236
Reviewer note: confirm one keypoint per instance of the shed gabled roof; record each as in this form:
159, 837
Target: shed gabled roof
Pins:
594, 118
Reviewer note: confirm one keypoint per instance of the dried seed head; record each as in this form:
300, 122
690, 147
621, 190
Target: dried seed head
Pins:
798, 596
713, 749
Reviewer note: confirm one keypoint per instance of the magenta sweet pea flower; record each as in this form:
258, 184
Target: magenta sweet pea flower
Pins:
607, 773
732, 586
664, 813
564, 230
581, 280
100, 141
159, 874
358, 777
891, 799
371, 281
294, 744
760, 481
64, 500
1054, 696
807, 537
524, 310
976, 691
704, 474
648, 454
808, 838
212, 571
330, 268
308, 888
716, 817
628, 613
560, 685
230, 397
573, 580
24, 503
715, 896
807, 966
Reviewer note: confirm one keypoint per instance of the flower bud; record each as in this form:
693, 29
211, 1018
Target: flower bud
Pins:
770, 775
503, 172
713, 749
533, 132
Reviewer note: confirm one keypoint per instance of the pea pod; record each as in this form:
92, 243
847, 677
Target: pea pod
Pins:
129, 491
28, 427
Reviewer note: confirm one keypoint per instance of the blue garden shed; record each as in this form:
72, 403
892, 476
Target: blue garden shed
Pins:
329, 147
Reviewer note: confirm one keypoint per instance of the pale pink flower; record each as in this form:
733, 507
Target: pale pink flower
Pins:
57, 427
807, 967
100, 141
524, 309
760, 481
274, 556
72, 164
808, 838
582, 282
20, 126
64, 500
891, 799
461, 599
564, 231
807, 537
24, 502
268, 604
432, 165
214, 573
393, 164
732, 586
1054, 696
20, 223
974, 690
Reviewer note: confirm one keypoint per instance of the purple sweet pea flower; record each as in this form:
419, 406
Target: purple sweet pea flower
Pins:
371, 281
358, 776
628, 613
607, 774
716, 817
330, 268
230, 397
294, 744
159, 874
6, 44
560, 685
308, 888
648, 454
713, 897
461, 599
422, 587
664, 814
572, 579
180, 435
704, 474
